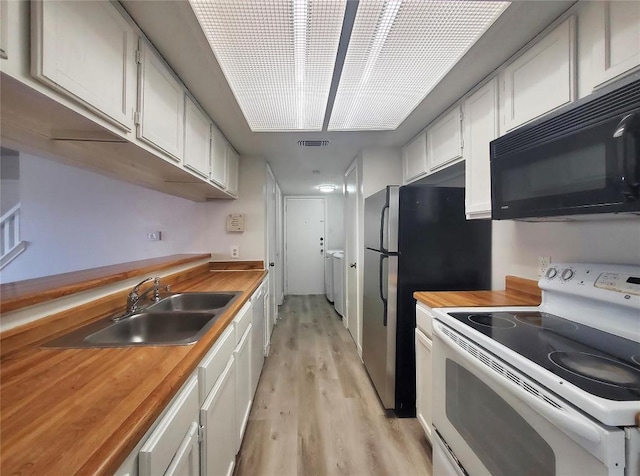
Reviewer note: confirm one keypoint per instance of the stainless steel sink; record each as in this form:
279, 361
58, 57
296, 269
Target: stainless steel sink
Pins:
155, 328
194, 302
179, 319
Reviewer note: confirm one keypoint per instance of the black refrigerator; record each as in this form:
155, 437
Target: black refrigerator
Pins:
416, 238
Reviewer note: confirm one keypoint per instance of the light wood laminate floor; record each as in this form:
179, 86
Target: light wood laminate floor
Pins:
315, 411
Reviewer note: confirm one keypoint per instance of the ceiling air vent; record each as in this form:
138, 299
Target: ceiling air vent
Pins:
313, 143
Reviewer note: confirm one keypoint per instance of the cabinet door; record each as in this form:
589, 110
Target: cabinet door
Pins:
161, 105
164, 443
87, 50
186, 462
424, 382
218, 417
480, 128
257, 340
617, 46
218, 158
268, 327
197, 138
214, 362
414, 158
444, 140
542, 79
242, 354
232, 171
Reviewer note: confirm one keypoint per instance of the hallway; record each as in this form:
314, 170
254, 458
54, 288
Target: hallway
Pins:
315, 410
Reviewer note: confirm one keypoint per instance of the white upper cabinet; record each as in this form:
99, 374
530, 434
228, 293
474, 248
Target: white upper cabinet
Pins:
160, 104
444, 140
542, 79
480, 128
218, 158
86, 50
414, 158
616, 48
197, 138
232, 160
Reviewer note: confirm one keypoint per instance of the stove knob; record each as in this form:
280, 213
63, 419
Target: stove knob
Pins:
551, 273
567, 274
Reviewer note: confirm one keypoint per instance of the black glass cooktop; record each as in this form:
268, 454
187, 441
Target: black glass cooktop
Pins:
600, 363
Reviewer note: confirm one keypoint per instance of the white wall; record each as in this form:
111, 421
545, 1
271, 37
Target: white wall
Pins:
252, 179
381, 166
335, 221
517, 245
74, 219
9, 195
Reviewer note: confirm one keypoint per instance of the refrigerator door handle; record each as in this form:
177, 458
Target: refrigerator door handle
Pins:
385, 212
384, 299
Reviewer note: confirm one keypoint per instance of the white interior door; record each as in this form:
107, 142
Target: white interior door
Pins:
351, 252
272, 259
304, 245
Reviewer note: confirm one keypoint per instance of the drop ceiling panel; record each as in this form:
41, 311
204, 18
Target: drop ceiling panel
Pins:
277, 56
398, 52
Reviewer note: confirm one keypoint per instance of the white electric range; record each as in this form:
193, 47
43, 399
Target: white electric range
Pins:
553, 389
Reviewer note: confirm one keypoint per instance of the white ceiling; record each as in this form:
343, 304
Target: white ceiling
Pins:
174, 30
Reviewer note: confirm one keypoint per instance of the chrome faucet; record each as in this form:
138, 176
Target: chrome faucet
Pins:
135, 296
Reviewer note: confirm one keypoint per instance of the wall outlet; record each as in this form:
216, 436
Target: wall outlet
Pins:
543, 264
235, 251
154, 236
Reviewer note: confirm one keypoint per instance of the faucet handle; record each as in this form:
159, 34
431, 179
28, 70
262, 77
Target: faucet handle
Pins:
137, 286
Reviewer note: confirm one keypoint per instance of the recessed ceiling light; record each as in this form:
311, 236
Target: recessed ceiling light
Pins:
398, 52
277, 56
327, 187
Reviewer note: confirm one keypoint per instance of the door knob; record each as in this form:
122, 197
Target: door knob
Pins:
272, 264
352, 265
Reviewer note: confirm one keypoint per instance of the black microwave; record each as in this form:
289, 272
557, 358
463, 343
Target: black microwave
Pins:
579, 161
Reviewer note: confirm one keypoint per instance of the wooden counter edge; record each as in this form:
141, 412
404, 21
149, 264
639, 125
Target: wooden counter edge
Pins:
21, 294
518, 292
236, 265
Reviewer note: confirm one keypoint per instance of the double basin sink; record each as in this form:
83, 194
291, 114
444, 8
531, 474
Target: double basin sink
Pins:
179, 319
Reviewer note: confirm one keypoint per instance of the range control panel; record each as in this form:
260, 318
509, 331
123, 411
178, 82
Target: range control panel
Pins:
622, 283
617, 278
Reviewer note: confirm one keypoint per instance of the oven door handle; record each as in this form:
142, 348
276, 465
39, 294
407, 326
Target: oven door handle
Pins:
574, 424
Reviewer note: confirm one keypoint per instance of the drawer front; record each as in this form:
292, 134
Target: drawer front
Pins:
423, 319
242, 321
156, 454
214, 363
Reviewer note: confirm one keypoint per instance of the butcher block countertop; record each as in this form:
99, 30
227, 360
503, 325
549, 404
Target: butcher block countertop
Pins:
82, 411
518, 292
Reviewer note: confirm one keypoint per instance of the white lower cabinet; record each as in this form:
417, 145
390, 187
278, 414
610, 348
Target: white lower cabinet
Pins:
423, 382
171, 446
424, 375
257, 338
244, 396
186, 461
201, 430
218, 417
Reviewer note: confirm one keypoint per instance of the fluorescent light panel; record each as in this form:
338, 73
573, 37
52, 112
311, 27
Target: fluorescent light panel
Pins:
398, 52
277, 55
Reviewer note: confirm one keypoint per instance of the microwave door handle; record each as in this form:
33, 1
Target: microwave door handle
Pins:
384, 299
574, 424
629, 127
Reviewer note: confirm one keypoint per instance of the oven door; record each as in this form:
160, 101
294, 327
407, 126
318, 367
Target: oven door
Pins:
499, 422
